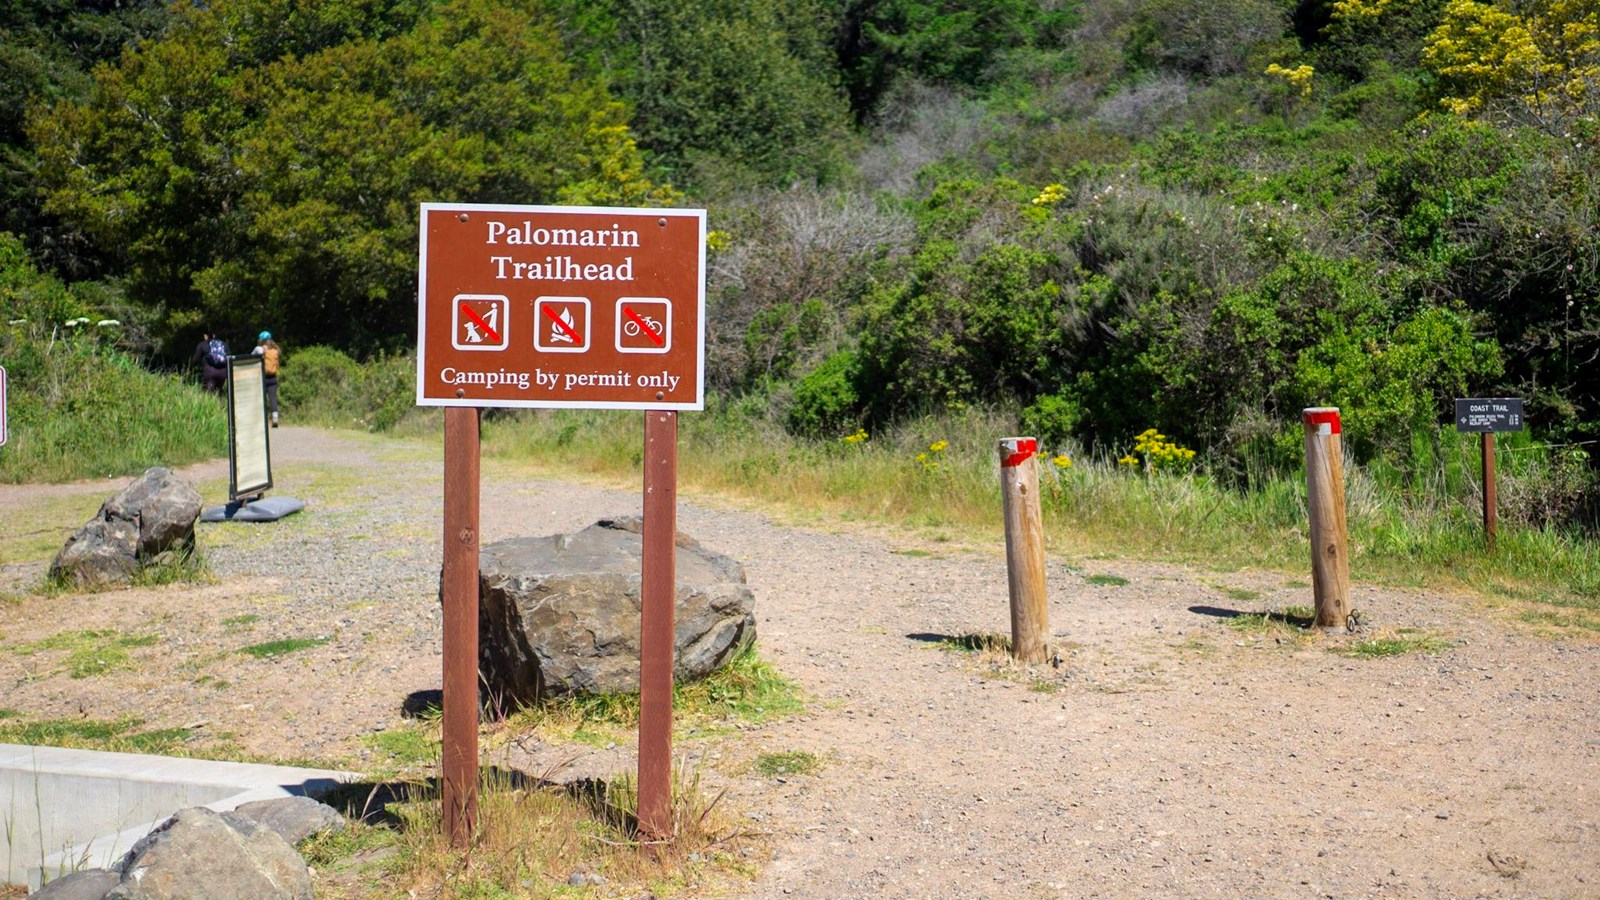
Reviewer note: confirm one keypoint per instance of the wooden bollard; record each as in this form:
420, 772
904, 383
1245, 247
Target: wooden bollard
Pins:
1330, 544
1030, 613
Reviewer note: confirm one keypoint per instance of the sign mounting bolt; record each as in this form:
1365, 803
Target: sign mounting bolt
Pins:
461, 392
662, 222
463, 217
660, 395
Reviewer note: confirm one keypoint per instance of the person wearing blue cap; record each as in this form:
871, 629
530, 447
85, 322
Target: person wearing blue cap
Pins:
267, 349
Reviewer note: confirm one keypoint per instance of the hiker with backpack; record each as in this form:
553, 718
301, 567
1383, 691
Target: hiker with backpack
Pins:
267, 349
212, 355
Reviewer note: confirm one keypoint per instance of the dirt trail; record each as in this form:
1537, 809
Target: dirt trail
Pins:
1171, 755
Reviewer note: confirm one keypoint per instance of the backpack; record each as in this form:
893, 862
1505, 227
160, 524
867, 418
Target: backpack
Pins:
269, 361
217, 354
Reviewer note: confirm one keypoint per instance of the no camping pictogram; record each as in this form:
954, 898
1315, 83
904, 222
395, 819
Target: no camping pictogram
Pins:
644, 325
482, 322
561, 324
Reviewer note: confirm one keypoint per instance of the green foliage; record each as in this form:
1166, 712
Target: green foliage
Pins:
323, 385
1201, 38
938, 41
262, 162
825, 401
80, 404
47, 48
1053, 418
724, 92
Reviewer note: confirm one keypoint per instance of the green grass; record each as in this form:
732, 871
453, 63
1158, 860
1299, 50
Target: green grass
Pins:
789, 762
408, 745
80, 409
747, 690
283, 647
1397, 644
1292, 618
122, 735
1106, 580
240, 622
90, 653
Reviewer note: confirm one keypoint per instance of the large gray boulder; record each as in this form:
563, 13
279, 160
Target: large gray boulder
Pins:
559, 615
294, 818
147, 522
89, 884
200, 854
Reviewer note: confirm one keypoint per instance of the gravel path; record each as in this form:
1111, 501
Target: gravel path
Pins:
1170, 755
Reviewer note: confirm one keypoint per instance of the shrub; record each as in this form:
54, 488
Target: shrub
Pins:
825, 400
320, 384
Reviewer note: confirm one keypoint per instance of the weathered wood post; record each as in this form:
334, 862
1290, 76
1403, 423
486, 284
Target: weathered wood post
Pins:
1330, 546
458, 762
1030, 612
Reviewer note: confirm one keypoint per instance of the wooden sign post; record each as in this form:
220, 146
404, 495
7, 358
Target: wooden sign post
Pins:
1487, 415
658, 601
560, 307
1030, 609
1330, 543
458, 763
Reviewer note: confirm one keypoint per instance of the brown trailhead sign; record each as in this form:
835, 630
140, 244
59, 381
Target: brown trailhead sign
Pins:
561, 306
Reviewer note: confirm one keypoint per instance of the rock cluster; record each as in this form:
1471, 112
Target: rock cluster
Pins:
246, 854
147, 523
559, 615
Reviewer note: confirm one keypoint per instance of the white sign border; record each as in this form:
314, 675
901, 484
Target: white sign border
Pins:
696, 404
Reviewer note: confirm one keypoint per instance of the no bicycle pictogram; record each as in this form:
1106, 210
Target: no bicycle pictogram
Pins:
481, 322
561, 324
644, 325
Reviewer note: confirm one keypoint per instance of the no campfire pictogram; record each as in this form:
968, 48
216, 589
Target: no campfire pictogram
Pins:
644, 325
482, 322
561, 324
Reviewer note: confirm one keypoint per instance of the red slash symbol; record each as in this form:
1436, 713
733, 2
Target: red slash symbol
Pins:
644, 326
565, 328
493, 335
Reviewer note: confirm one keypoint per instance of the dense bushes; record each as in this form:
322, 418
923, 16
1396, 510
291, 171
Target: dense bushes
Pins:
324, 386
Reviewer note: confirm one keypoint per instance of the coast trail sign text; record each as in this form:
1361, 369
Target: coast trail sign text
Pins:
561, 306
1488, 414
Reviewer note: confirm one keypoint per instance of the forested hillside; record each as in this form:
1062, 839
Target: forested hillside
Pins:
1102, 215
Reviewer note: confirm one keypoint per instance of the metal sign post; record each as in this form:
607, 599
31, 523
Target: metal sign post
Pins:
560, 307
1486, 416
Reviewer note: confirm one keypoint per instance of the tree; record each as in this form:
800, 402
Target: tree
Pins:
937, 41
264, 161
724, 92
46, 50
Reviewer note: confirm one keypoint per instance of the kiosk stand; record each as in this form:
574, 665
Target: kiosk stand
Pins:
249, 450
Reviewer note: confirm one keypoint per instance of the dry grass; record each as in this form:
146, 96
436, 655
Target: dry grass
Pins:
537, 840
